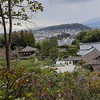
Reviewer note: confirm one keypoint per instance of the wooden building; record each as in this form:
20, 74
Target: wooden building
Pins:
93, 58
27, 51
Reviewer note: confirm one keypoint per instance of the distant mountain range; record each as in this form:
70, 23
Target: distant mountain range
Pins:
95, 22
73, 26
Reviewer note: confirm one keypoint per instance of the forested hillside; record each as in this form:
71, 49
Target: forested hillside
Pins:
67, 26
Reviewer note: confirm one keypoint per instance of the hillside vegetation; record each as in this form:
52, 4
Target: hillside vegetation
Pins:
87, 36
67, 26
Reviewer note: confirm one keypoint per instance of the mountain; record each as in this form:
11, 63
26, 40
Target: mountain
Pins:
73, 26
95, 22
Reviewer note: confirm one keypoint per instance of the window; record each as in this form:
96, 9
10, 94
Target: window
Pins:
26, 53
70, 62
23, 53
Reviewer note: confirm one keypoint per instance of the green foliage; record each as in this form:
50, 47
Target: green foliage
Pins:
80, 63
75, 42
13, 83
88, 36
43, 84
32, 6
39, 64
34, 69
38, 44
85, 66
53, 53
31, 57
45, 47
29, 39
2, 40
20, 39
49, 48
3, 61
49, 62
22, 63
63, 54
80, 35
72, 51
67, 26
63, 46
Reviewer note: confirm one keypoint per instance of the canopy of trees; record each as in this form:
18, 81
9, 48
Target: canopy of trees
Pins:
47, 84
63, 54
20, 38
88, 36
49, 48
15, 9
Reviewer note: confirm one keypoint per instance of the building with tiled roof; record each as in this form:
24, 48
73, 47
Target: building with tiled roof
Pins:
86, 47
92, 55
93, 58
27, 51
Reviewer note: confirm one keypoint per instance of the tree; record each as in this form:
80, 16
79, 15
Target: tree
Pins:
29, 39
45, 47
72, 51
38, 44
53, 41
80, 35
8, 12
80, 63
49, 48
53, 53
49, 62
86, 36
63, 54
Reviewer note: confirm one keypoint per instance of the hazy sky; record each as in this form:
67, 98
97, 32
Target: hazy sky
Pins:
63, 12
67, 11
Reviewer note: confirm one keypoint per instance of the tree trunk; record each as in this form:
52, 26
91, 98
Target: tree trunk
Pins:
7, 43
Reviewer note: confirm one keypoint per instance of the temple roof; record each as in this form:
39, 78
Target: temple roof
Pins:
77, 58
92, 55
29, 49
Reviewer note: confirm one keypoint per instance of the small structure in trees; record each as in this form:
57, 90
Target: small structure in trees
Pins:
27, 51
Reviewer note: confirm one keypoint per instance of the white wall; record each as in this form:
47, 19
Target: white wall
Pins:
64, 62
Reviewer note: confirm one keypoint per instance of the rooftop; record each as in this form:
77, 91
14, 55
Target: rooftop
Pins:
77, 58
29, 49
94, 62
92, 55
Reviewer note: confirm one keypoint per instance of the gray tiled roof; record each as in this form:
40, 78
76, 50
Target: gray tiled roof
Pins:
77, 58
92, 55
94, 62
28, 49
84, 47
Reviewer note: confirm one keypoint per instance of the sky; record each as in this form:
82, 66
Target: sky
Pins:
67, 11
58, 12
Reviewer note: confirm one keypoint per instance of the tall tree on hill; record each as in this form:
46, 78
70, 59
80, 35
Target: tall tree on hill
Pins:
15, 9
